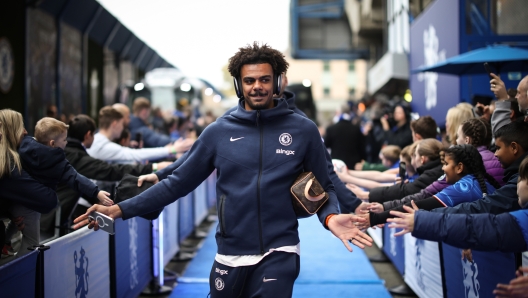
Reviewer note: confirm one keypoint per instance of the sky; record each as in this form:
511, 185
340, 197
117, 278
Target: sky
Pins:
199, 36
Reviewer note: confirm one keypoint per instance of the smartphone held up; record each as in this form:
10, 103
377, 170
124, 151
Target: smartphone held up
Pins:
105, 222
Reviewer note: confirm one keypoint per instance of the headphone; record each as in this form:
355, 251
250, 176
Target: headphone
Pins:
277, 85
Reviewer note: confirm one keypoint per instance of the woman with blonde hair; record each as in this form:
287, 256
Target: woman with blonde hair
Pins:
454, 117
22, 195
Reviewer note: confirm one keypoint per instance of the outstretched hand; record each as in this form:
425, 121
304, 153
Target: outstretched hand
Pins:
149, 178
518, 287
113, 211
345, 227
403, 220
360, 193
104, 198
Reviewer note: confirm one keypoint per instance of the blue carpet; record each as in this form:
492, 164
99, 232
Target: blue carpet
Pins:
328, 269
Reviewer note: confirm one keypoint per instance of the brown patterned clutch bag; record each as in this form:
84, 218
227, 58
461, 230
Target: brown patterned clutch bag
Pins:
308, 196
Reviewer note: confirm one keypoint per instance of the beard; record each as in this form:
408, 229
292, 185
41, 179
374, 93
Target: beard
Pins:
261, 105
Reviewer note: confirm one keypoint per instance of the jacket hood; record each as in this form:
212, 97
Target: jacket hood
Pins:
280, 109
513, 168
290, 99
429, 165
38, 156
74, 143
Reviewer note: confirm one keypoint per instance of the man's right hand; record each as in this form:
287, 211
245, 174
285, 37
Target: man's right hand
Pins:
150, 178
113, 211
497, 87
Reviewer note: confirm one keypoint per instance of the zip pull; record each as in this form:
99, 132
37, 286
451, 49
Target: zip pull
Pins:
258, 117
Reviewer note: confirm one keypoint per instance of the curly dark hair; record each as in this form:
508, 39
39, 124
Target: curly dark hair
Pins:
478, 130
469, 156
256, 54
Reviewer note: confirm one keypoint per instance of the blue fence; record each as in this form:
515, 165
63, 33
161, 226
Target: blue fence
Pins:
95, 264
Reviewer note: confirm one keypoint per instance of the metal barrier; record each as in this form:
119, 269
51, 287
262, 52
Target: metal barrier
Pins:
17, 278
103, 265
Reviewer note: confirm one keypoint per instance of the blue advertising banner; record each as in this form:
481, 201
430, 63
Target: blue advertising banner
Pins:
17, 278
435, 37
377, 236
211, 190
77, 264
478, 278
186, 214
132, 256
170, 232
200, 203
422, 267
394, 248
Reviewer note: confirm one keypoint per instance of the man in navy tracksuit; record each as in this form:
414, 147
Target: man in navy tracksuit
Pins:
348, 202
258, 151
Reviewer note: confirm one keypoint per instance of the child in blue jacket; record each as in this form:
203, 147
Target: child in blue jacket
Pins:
464, 170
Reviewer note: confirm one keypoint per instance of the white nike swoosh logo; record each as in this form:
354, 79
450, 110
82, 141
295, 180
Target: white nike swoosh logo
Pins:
266, 280
232, 140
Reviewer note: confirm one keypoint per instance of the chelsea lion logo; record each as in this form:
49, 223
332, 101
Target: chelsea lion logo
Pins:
219, 284
285, 139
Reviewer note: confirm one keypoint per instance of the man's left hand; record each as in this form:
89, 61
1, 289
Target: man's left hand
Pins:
345, 227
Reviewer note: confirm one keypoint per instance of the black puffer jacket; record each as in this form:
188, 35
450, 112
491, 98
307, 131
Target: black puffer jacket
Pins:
429, 172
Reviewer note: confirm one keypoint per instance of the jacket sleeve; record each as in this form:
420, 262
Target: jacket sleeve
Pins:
152, 139
501, 115
188, 176
78, 182
426, 204
111, 151
487, 232
396, 191
423, 194
502, 200
22, 189
347, 199
315, 162
97, 169
164, 173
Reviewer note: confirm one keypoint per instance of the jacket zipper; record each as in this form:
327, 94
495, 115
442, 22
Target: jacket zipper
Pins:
258, 185
222, 208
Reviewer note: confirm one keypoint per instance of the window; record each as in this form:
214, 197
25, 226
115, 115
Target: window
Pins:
326, 65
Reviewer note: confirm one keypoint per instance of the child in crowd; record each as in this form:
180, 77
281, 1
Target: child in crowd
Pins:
474, 131
426, 161
43, 158
372, 179
389, 156
468, 179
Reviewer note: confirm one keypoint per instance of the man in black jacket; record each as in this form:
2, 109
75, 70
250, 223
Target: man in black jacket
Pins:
345, 140
80, 137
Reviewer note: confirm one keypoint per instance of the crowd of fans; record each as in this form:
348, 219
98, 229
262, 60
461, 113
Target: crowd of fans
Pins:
465, 186
65, 166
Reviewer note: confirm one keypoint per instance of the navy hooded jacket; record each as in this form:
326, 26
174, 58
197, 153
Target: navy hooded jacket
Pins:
21, 188
49, 166
151, 139
258, 155
347, 199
